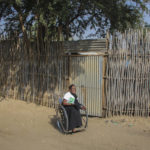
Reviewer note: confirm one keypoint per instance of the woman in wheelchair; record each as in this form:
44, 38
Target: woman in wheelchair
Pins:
72, 106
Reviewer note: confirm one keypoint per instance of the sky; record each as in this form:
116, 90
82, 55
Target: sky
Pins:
147, 16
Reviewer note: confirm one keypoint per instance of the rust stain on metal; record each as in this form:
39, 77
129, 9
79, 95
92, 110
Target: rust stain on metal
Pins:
83, 89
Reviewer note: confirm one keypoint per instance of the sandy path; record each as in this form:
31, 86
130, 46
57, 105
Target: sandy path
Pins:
30, 127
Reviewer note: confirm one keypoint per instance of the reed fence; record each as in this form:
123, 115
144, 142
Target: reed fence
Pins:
43, 75
128, 74
39, 78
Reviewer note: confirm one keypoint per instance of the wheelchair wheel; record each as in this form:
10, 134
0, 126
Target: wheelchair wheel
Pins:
84, 117
62, 119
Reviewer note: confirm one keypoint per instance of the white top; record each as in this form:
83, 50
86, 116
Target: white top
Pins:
69, 97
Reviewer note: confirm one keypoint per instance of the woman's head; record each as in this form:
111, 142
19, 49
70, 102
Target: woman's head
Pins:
72, 88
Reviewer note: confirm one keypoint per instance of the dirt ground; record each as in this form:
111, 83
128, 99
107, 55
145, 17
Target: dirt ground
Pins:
26, 126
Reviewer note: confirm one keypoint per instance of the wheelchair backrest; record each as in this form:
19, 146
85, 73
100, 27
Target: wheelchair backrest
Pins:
60, 101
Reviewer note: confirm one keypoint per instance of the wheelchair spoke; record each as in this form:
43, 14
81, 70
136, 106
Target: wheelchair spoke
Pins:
83, 119
63, 118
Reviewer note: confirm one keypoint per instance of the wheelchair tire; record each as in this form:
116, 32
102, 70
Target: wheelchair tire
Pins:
62, 119
84, 117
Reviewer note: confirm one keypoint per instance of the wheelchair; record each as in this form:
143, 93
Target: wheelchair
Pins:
63, 122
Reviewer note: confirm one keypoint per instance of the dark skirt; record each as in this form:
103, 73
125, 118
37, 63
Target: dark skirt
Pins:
74, 117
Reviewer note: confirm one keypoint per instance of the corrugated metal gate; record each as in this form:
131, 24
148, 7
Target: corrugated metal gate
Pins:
86, 72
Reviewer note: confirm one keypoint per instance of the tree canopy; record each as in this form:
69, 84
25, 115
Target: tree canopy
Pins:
55, 19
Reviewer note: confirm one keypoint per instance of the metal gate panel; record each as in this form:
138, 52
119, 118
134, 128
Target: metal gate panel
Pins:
86, 74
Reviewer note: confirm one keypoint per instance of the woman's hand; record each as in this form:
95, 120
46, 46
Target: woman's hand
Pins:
83, 108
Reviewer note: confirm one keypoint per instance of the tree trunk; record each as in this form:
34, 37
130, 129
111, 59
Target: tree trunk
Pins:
59, 33
27, 42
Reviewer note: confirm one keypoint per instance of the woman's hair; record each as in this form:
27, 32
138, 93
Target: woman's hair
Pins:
70, 87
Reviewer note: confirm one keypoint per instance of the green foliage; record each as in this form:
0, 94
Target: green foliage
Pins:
57, 18
147, 25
